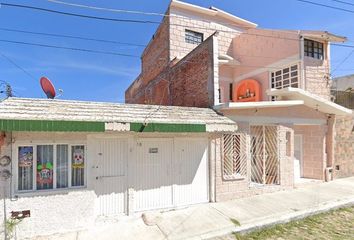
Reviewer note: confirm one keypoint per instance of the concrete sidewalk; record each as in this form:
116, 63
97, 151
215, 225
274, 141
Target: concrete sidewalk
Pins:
214, 219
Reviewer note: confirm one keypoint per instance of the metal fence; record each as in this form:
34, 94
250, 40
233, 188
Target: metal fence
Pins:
344, 98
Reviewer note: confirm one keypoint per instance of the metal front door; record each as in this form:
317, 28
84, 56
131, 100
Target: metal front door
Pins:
152, 174
111, 177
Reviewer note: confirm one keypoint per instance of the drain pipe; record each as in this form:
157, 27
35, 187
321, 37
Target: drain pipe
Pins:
330, 142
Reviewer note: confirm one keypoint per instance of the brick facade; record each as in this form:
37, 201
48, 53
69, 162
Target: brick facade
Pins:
314, 156
317, 78
189, 82
154, 60
180, 21
344, 148
195, 75
239, 188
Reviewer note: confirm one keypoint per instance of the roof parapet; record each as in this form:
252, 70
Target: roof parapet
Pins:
214, 12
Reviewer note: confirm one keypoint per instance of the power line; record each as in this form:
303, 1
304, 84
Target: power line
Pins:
119, 54
16, 65
107, 9
70, 36
144, 13
343, 2
69, 48
342, 45
78, 15
343, 61
141, 21
327, 6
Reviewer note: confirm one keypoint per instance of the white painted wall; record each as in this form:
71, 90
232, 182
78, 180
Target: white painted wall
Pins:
59, 211
51, 211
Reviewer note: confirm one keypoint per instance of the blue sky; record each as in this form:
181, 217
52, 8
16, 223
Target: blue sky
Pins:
88, 76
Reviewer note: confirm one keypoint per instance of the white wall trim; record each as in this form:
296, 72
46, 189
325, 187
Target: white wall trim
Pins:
271, 67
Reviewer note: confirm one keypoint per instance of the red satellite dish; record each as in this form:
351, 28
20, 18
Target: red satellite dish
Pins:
48, 87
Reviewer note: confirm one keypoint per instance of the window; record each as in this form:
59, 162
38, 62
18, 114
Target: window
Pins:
286, 77
231, 93
193, 37
44, 174
313, 49
78, 165
25, 168
235, 156
43, 167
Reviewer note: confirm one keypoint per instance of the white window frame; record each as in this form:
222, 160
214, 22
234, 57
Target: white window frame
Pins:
299, 77
196, 35
34, 144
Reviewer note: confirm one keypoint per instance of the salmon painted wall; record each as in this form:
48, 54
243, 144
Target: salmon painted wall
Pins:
261, 51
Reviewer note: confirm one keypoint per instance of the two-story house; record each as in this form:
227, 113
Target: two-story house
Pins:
274, 83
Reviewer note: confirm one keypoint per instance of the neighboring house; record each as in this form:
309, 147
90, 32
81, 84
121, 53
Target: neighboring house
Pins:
274, 83
343, 93
73, 161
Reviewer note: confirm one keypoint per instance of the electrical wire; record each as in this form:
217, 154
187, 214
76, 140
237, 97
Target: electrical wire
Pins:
142, 12
71, 37
343, 61
69, 48
343, 2
327, 6
108, 9
17, 66
125, 55
142, 21
77, 15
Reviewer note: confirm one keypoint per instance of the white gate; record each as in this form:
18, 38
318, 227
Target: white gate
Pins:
265, 154
152, 174
170, 173
111, 175
190, 169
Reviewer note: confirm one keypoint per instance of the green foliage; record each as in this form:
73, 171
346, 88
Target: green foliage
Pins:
11, 226
336, 224
235, 222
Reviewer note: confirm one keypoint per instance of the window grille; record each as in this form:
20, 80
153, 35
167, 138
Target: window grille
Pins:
235, 156
313, 49
193, 37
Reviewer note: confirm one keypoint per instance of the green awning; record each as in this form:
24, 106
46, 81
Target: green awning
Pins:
50, 126
84, 126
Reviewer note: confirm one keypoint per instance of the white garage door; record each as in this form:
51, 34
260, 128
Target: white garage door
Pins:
170, 173
153, 188
111, 180
190, 171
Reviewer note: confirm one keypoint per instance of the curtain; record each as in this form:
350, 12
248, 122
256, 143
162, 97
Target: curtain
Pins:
44, 167
25, 168
62, 166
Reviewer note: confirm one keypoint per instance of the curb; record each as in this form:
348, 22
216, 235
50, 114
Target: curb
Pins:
270, 221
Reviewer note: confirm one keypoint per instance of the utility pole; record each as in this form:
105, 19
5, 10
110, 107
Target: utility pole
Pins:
8, 90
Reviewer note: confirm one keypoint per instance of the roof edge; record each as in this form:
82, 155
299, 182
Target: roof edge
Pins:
213, 11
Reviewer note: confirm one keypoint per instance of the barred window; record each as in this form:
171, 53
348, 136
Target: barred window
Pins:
193, 37
313, 49
235, 156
